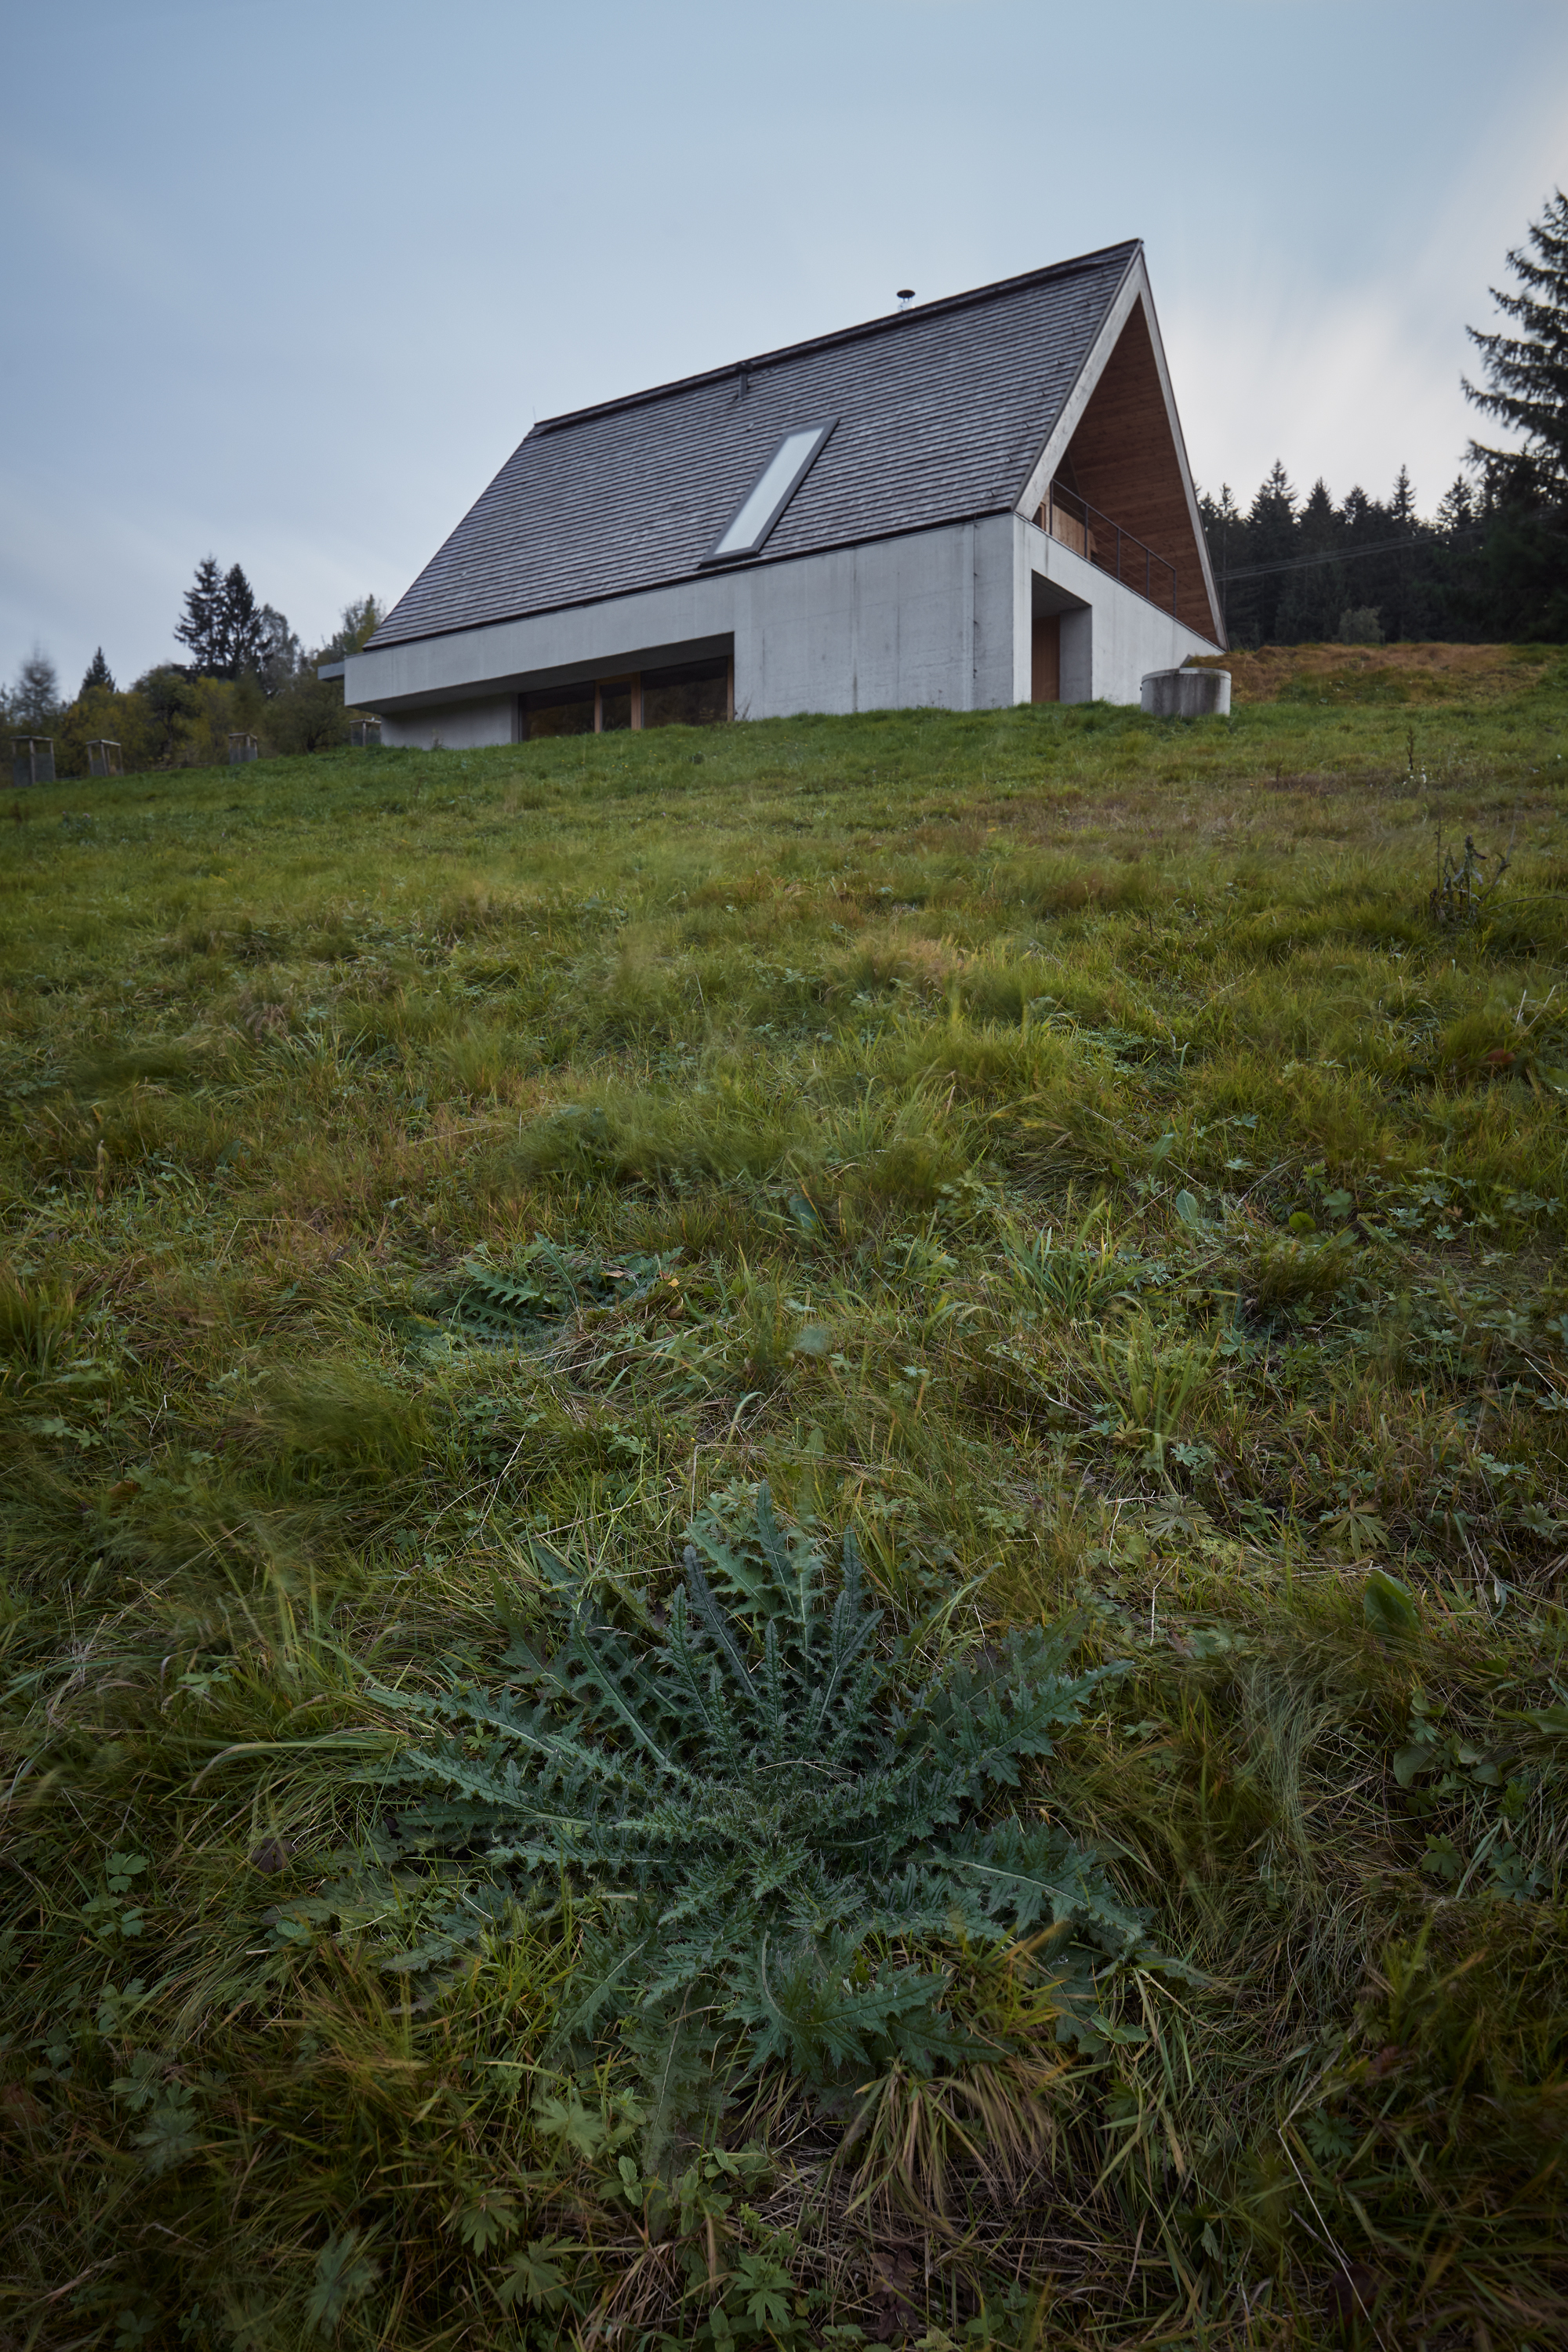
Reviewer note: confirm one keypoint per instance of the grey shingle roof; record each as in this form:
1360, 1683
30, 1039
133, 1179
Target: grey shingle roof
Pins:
944, 409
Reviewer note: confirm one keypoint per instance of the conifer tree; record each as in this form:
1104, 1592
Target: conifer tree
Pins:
98, 677
1394, 573
1366, 526
241, 630
1225, 529
202, 628
1276, 499
1362, 517
1527, 371
1313, 598
1271, 538
1457, 507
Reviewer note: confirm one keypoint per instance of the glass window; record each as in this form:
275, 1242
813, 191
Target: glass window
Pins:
560, 710
697, 694
780, 480
615, 704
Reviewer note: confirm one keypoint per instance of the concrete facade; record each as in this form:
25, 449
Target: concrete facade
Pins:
935, 618
1111, 635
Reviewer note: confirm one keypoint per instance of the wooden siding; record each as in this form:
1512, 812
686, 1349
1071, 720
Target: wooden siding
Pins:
1123, 460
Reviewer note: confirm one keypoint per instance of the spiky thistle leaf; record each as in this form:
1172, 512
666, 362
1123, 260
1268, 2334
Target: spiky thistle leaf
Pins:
771, 1812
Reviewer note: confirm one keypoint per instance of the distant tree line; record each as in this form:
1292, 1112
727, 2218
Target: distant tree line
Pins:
1293, 571
246, 673
1491, 564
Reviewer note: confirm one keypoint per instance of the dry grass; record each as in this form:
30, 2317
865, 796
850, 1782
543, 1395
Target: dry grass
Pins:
1415, 673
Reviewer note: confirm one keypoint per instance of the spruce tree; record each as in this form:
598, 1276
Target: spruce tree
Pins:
1222, 519
1312, 600
1271, 538
1363, 515
241, 630
1527, 371
1225, 529
1393, 573
202, 628
1457, 507
97, 679
1366, 525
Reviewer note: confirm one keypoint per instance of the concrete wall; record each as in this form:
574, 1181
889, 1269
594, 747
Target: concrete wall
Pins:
938, 618
923, 619
1110, 637
456, 726
893, 625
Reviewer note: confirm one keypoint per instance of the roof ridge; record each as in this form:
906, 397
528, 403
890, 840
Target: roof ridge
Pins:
885, 322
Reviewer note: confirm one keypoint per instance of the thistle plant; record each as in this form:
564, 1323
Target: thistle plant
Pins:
778, 1827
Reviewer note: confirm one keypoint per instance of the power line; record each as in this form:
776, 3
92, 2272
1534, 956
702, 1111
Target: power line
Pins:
1350, 554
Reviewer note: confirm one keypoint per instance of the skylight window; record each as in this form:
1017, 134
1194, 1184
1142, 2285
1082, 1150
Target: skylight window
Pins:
781, 477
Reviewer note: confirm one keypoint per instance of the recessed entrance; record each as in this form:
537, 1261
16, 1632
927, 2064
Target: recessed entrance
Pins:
1046, 658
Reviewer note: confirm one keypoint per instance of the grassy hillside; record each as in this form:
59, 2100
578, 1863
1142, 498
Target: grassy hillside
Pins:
1093, 1163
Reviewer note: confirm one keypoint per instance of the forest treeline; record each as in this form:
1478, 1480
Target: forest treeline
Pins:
1490, 565
246, 673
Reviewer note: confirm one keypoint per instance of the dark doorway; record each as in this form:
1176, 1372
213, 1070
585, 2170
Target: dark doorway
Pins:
1045, 659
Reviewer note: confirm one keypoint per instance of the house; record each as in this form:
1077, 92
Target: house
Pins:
971, 502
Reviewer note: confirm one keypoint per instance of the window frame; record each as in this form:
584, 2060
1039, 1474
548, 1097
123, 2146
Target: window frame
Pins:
822, 431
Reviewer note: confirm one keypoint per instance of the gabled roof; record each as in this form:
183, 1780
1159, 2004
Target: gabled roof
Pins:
944, 410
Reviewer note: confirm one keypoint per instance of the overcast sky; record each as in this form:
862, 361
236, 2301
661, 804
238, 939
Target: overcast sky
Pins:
288, 282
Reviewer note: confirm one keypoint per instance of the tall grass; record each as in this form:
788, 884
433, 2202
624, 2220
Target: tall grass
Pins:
1056, 1147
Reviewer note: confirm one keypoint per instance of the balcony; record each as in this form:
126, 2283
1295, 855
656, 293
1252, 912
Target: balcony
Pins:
1073, 522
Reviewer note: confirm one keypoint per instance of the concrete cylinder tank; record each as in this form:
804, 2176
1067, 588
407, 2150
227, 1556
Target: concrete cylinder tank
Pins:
1187, 693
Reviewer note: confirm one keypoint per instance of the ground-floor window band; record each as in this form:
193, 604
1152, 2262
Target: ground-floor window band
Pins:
687, 694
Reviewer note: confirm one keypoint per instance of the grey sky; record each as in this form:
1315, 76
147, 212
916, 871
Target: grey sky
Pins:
288, 282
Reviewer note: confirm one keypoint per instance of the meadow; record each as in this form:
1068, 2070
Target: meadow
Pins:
783, 1530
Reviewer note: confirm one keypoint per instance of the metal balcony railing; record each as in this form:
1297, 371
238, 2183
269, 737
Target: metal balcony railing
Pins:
1076, 524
